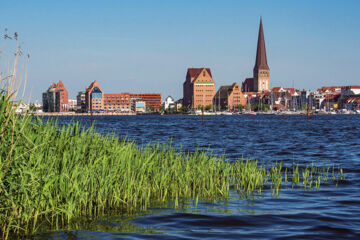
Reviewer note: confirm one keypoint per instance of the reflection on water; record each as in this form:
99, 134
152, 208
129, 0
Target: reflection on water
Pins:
297, 213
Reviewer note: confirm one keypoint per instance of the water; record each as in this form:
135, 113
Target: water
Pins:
329, 213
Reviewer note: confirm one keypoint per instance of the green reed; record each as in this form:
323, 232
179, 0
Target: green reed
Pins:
50, 175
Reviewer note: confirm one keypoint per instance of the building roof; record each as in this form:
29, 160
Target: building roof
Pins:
353, 100
53, 85
352, 87
248, 84
276, 89
224, 91
194, 72
60, 86
331, 89
92, 85
290, 90
331, 96
261, 60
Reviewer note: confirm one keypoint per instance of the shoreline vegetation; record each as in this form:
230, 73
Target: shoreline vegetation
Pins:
52, 175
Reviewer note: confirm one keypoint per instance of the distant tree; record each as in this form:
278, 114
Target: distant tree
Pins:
208, 107
32, 108
183, 109
150, 109
239, 107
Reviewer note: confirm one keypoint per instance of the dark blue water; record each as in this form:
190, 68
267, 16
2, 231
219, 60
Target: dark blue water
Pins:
333, 212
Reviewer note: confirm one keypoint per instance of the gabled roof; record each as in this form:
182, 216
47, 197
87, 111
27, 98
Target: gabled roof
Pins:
225, 90
276, 89
329, 89
92, 85
194, 72
291, 90
60, 86
248, 84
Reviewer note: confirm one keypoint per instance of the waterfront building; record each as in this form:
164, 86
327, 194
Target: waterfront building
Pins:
72, 104
152, 100
94, 98
55, 99
282, 97
349, 98
229, 98
347, 91
261, 72
198, 88
117, 102
179, 104
138, 106
327, 97
352, 103
80, 101
99, 101
169, 103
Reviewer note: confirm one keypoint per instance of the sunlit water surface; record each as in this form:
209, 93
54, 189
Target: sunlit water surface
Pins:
329, 213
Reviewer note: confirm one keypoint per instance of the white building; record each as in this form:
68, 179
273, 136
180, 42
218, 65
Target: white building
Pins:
72, 104
169, 103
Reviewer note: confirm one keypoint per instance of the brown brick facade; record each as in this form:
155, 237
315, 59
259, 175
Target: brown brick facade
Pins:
198, 88
229, 97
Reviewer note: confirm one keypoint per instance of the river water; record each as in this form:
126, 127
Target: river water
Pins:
332, 212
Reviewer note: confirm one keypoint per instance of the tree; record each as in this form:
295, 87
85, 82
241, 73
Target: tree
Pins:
208, 107
150, 109
32, 108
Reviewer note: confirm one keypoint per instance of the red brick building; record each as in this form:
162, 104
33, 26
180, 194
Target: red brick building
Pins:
115, 102
152, 100
94, 98
229, 97
99, 101
198, 88
56, 98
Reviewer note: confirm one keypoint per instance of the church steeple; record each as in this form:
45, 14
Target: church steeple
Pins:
261, 61
261, 68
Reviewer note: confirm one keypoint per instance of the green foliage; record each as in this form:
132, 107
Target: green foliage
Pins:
183, 109
239, 107
32, 107
208, 107
262, 107
150, 109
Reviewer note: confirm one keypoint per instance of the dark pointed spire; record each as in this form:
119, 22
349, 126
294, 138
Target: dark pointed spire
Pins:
261, 61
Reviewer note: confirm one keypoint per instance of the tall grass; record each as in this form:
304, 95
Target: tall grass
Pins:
50, 175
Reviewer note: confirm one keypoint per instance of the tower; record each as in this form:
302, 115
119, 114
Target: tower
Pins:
261, 68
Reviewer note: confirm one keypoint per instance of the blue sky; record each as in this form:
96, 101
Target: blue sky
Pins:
147, 46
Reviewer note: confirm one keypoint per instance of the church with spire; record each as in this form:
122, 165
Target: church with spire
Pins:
261, 74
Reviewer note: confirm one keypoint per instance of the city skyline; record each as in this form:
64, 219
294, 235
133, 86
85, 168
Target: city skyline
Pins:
141, 47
